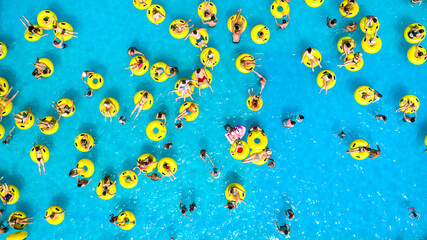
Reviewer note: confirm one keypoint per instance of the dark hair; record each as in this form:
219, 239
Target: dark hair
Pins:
301, 117
375, 20
412, 119
194, 31
309, 50
34, 73
334, 21
348, 44
284, 21
113, 218
212, 17
206, 14
178, 125
421, 30
329, 75
64, 45
79, 184
380, 95
293, 122
385, 118
420, 54
106, 178
71, 172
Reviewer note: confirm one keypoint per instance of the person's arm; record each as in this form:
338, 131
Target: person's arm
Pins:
416, 50
302, 59
220, 170
410, 215
180, 204
418, 216
277, 226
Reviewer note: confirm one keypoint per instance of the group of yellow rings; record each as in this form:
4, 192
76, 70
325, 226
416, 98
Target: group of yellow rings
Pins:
255, 143
44, 22
414, 56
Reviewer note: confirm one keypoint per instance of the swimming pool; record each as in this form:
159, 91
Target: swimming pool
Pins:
333, 195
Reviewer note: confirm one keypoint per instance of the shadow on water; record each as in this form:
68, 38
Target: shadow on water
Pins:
14, 179
399, 90
61, 200
89, 128
233, 177
73, 94
8, 74
25, 207
422, 131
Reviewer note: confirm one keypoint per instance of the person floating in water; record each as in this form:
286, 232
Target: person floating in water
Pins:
214, 173
284, 23
341, 134
161, 116
122, 120
374, 153
331, 23
168, 145
262, 81
417, 1
290, 214
229, 205
192, 207
271, 163
414, 214
83, 182
7, 140
381, 117
351, 27
183, 209
154, 176
290, 122
285, 229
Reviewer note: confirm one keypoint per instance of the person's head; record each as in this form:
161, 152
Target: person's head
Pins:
145, 94
293, 122
174, 70
5, 142
72, 173
419, 53
83, 141
379, 95
375, 20
343, 134
333, 21
213, 17
230, 205
107, 178
178, 125
284, 21
385, 118
35, 72
113, 219
261, 34
421, 30
301, 117
329, 76
347, 44
255, 103
79, 184
412, 119
168, 145
236, 28
206, 14
194, 31
309, 50
271, 163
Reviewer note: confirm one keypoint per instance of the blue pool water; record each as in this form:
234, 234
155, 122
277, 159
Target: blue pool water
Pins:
333, 195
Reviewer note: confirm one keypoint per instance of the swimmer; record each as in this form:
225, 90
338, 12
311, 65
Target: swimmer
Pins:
290, 122
168, 145
262, 80
348, 7
30, 27
326, 80
181, 27
39, 154
266, 153
7, 140
285, 229
47, 21
167, 168
377, 96
122, 120
135, 66
237, 24
3, 230
381, 117
159, 71
183, 209
157, 15
370, 20
8, 195
311, 58
351, 27
106, 185
290, 214
236, 196
114, 219
354, 61
88, 93
41, 69
212, 22
61, 44
341, 134
255, 128
15, 220
75, 172
154, 176
409, 119
133, 51
229, 205
331, 23
414, 214
188, 111
161, 116
210, 58
179, 125
54, 215
47, 125
419, 54
63, 31
1, 51
416, 34
207, 10
203, 155
192, 207
417, 1
107, 108
374, 153
271, 163
247, 62
84, 142
22, 118
200, 40
359, 149
408, 104
184, 89
87, 74
202, 78
139, 105
371, 41
144, 164
347, 48
254, 100
215, 173
284, 23
64, 108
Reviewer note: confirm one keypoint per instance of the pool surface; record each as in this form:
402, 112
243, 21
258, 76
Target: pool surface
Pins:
333, 195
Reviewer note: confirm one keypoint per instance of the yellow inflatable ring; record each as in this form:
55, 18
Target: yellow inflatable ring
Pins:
164, 76
204, 57
235, 185
115, 104
262, 140
145, 65
372, 49
21, 235
1, 131
58, 219
45, 15
369, 30
95, 81
416, 60
69, 104
88, 167
352, 67
147, 105
314, 3
204, 35
52, 130
150, 13
66, 26
201, 13
331, 83
151, 167
45, 153
177, 84
275, 9
49, 64
6, 109
425, 141
204, 85
243, 154
30, 121
4, 50
262, 161
128, 174
344, 40
181, 34
361, 100
32, 37
358, 143
255, 34
352, 13
316, 54
15, 215
5, 86
239, 64
230, 27
192, 116
161, 130
90, 142
413, 40
128, 219
249, 103
170, 162
142, 6
411, 98
15, 192
111, 191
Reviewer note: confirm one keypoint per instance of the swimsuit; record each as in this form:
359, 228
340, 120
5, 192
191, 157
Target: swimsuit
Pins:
201, 80
139, 64
413, 34
199, 40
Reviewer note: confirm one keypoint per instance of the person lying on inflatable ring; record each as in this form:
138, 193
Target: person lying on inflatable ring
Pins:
266, 153
236, 196
8, 195
144, 164
237, 25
